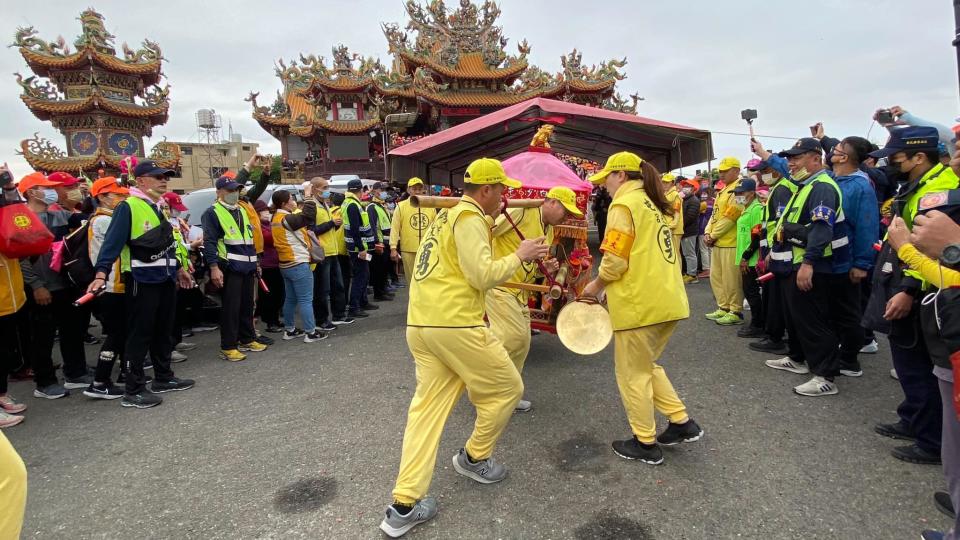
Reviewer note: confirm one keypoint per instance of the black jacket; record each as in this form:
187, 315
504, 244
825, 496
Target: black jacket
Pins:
691, 216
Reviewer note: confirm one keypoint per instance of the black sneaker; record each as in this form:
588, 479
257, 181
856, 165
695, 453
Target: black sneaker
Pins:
316, 335
122, 379
327, 327
340, 321
143, 400
173, 385
371, 307
91, 339
292, 334
680, 433
383, 298
915, 454
634, 449
107, 391
767, 345
895, 431
361, 314
274, 329
943, 503
265, 340
751, 332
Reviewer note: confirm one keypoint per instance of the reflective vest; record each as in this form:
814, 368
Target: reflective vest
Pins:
786, 252
440, 295
366, 232
938, 178
409, 225
339, 233
530, 223
328, 240
383, 222
145, 217
236, 245
769, 218
750, 218
651, 291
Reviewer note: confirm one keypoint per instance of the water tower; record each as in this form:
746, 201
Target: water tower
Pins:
209, 155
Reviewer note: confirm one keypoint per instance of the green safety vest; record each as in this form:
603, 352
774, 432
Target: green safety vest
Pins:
792, 215
750, 217
777, 212
383, 222
366, 232
236, 246
144, 218
938, 178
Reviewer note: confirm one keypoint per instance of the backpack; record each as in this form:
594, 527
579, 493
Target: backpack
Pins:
22, 233
75, 257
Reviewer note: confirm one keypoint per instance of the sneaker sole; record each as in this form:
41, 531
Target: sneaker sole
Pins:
472, 475
791, 370
289, 338
818, 394
75, 386
184, 349
13, 422
101, 396
136, 406
781, 350
165, 390
247, 349
848, 373
398, 532
894, 435
314, 340
915, 461
641, 460
693, 439
342, 323
736, 323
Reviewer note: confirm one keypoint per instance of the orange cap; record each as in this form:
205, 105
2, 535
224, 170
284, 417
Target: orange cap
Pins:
32, 180
108, 184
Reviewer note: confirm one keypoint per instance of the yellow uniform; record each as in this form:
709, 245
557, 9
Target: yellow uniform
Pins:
646, 297
507, 309
328, 240
675, 221
12, 296
407, 229
13, 490
725, 278
452, 347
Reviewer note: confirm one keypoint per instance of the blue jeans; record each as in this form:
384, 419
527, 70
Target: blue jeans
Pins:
298, 292
361, 278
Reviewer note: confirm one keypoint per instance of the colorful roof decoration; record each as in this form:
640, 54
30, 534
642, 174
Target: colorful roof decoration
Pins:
103, 103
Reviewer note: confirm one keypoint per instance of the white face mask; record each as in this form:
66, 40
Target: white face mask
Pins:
741, 199
231, 198
768, 179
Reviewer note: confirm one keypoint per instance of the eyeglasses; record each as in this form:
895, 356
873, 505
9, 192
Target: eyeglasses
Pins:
838, 152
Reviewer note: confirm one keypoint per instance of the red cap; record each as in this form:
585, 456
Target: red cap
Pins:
108, 184
229, 174
64, 179
32, 180
174, 201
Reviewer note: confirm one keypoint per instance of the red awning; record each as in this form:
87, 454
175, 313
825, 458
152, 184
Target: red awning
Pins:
582, 131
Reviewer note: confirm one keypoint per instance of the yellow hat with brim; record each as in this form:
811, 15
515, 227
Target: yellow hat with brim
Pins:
668, 177
621, 161
567, 198
414, 182
728, 163
487, 171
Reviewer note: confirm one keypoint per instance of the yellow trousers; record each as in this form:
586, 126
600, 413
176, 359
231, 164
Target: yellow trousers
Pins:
644, 386
13, 490
510, 322
449, 360
408, 258
726, 279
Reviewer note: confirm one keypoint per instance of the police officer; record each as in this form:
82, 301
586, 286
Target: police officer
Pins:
360, 241
141, 236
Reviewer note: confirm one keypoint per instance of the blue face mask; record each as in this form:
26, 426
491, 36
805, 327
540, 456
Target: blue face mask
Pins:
49, 196
325, 194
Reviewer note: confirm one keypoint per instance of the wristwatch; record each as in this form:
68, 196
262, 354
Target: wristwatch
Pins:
951, 255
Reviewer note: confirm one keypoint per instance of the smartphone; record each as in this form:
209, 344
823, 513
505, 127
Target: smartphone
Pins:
885, 117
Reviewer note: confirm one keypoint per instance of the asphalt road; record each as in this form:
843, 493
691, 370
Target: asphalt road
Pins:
303, 441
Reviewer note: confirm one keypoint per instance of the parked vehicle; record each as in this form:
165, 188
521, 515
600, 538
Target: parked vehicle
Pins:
338, 182
198, 201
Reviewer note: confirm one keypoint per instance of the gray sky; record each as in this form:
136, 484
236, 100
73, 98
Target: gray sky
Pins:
697, 62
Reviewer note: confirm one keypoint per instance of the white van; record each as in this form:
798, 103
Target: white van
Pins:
338, 182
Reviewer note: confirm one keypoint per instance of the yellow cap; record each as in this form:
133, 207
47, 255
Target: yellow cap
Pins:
414, 182
487, 171
621, 161
668, 177
567, 198
728, 163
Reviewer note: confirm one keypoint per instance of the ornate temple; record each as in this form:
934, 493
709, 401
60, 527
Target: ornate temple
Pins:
103, 104
449, 66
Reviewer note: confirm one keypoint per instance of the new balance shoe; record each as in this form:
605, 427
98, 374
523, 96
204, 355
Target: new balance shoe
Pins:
77, 383
632, 448
817, 386
716, 314
523, 406
341, 321
730, 319
11, 406
143, 400
173, 385
9, 420
786, 364
51, 391
931, 534
316, 335
176, 357
486, 471
870, 348
232, 355
395, 524
253, 346
327, 327
107, 391
687, 432
292, 334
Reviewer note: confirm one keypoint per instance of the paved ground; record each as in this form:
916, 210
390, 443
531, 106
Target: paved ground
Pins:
304, 441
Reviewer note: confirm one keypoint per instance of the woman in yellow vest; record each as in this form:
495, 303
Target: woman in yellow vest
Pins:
408, 226
646, 298
675, 220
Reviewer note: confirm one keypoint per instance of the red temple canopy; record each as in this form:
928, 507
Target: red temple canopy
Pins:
579, 130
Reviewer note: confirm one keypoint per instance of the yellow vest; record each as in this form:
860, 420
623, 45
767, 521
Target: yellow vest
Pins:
12, 296
410, 224
328, 239
290, 249
726, 207
651, 291
675, 222
530, 223
339, 234
440, 295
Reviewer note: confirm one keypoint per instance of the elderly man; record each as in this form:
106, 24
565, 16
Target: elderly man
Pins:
360, 240
408, 227
327, 278
721, 237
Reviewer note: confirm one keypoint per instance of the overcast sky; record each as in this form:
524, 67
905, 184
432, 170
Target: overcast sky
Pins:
697, 62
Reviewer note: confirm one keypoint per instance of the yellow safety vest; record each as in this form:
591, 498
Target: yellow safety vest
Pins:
328, 239
651, 290
411, 224
530, 223
440, 295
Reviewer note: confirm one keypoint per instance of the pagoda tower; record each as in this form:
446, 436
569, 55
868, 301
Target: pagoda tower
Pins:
104, 105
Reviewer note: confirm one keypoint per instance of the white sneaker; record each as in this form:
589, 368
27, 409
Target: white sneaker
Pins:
177, 356
851, 372
786, 364
523, 406
870, 348
183, 346
817, 386
893, 374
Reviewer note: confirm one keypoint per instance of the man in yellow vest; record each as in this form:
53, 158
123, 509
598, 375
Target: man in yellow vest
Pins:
327, 278
675, 221
507, 308
229, 251
408, 227
721, 236
646, 297
453, 348
141, 236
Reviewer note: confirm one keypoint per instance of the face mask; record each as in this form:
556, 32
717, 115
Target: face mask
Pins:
391, 206
74, 196
325, 195
49, 196
768, 179
800, 175
741, 199
893, 173
232, 198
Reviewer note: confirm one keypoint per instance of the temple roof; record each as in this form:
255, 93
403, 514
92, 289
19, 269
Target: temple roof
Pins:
43, 156
469, 66
45, 109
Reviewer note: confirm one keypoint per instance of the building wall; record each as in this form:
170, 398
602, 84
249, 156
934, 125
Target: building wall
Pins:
197, 160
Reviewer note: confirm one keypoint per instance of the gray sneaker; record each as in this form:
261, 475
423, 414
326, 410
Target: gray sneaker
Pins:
80, 383
523, 406
487, 471
395, 524
51, 391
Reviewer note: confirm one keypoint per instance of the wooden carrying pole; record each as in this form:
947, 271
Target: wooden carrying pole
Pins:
427, 201
532, 287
